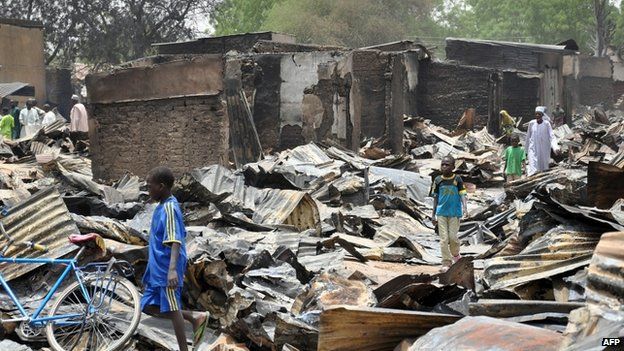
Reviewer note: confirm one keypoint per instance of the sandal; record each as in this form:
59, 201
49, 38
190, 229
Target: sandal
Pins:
198, 335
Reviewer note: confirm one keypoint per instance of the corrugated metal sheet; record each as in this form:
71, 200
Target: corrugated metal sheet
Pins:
412, 233
216, 184
16, 88
73, 163
605, 285
604, 315
287, 207
486, 333
55, 126
310, 154
44, 219
38, 148
534, 47
560, 250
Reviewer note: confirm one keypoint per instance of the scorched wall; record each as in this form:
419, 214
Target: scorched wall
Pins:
520, 94
168, 114
445, 90
181, 133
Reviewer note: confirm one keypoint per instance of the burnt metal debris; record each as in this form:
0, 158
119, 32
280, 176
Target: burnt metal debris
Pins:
320, 247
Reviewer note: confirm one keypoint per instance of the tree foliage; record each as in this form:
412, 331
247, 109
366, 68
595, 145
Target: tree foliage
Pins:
240, 16
353, 23
103, 32
540, 21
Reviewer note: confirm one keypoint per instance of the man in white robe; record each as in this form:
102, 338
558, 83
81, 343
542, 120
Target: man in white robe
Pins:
49, 117
539, 141
545, 115
29, 118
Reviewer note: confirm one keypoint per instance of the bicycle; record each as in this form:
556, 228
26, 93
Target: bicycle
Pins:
99, 311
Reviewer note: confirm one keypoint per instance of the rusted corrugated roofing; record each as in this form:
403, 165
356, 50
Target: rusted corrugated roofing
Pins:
558, 251
486, 333
43, 219
605, 285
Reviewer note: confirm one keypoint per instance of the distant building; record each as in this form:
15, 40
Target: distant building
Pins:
21, 54
534, 74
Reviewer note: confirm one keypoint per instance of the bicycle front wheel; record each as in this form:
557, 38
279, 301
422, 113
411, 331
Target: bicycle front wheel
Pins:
103, 319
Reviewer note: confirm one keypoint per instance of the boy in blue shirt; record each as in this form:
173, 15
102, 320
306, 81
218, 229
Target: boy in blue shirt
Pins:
449, 205
167, 261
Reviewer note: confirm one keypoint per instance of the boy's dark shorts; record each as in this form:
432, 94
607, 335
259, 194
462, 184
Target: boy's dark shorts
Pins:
168, 299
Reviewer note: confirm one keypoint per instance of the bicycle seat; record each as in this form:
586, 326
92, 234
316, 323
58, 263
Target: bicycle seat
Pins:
91, 240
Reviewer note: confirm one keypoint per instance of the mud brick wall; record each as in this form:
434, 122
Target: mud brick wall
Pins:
369, 69
181, 133
594, 90
520, 95
445, 90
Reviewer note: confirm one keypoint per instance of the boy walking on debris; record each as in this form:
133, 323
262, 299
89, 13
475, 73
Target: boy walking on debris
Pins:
449, 205
167, 261
514, 159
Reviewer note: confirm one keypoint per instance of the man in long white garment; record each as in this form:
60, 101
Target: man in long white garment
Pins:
539, 141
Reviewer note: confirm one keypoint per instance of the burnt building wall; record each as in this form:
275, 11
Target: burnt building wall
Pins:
171, 114
369, 69
299, 98
401, 96
181, 133
520, 94
445, 90
266, 104
596, 81
59, 89
492, 56
595, 90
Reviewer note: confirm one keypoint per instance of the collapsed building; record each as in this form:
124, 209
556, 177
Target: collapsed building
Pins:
318, 246
235, 97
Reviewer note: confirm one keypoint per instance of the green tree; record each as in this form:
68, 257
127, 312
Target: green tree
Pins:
104, 32
353, 23
240, 16
539, 21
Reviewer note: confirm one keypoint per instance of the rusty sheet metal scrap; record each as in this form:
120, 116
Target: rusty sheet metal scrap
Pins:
43, 219
560, 250
486, 333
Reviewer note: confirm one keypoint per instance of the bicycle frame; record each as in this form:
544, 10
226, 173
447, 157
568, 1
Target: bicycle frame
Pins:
34, 319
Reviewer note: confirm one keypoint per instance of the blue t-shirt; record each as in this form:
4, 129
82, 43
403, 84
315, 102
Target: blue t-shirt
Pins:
448, 191
167, 228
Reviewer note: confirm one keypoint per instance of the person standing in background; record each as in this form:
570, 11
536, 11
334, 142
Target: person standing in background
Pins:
558, 116
29, 118
79, 119
49, 117
540, 139
6, 124
17, 126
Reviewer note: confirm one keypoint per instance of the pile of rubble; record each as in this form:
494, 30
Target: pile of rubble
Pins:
319, 247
